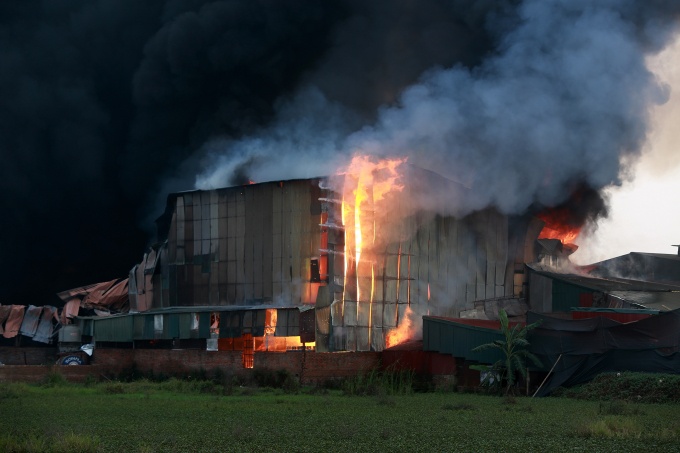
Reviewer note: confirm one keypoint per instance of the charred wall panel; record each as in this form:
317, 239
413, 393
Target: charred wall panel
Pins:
425, 264
254, 244
241, 246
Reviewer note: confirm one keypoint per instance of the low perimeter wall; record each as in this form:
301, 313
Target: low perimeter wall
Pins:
40, 373
309, 367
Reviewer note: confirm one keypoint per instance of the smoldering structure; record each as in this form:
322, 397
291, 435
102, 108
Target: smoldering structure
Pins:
357, 250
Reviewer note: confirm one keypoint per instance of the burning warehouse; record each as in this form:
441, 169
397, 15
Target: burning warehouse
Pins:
354, 262
345, 263
518, 114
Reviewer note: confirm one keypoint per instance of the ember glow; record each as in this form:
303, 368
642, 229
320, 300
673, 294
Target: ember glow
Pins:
403, 332
367, 183
558, 226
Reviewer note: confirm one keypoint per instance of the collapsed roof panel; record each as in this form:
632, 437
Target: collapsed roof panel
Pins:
111, 296
14, 321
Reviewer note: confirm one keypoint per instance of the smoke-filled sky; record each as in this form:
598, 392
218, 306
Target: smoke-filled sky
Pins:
108, 105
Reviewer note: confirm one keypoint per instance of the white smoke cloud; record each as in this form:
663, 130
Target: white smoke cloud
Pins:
644, 214
303, 143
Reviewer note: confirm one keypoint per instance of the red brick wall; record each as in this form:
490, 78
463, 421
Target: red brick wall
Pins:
114, 361
28, 356
310, 367
322, 366
421, 362
38, 373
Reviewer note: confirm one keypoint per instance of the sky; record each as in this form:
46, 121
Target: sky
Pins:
106, 106
644, 214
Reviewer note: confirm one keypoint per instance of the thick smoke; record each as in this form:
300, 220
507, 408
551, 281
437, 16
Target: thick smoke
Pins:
110, 104
559, 104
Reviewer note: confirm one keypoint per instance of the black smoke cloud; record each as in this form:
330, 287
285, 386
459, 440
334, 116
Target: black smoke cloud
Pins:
108, 104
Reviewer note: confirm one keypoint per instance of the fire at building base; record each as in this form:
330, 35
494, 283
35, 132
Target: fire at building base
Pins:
328, 277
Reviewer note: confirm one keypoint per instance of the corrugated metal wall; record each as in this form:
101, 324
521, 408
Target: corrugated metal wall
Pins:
419, 262
254, 244
458, 339
566, 295
190, 325
241, 246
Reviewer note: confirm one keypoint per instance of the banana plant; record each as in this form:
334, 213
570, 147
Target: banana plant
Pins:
514, 347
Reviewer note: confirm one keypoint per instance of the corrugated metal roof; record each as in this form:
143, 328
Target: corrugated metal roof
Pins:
665, 256
650, 267
604, 284
663, 301
201, 309
450, 337
652, 295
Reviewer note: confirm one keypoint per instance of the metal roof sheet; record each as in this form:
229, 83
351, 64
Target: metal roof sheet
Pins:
201, 309
663, 301
602, 284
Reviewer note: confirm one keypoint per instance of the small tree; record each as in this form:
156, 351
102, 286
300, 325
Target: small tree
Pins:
514, 348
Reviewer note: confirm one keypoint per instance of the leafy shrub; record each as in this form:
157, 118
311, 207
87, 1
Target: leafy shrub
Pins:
375, 382
54, 379
282, 379
89, 381
333, 384
130, 374
628, 386
514, 348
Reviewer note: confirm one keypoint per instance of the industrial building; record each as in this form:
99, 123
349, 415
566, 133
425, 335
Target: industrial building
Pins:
278, 260
321, 266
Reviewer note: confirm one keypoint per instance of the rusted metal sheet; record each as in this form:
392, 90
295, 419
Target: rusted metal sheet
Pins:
14, 321
111, 295
4, 314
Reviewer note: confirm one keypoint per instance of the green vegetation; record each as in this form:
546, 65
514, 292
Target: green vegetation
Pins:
628, 386
514, 350
378, 383
45, 442
205, 415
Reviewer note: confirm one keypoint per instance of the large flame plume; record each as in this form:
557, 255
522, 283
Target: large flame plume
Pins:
368, 184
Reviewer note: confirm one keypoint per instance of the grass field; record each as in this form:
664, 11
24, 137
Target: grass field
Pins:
198, 416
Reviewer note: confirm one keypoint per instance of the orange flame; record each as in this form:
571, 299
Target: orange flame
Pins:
367, 183
557, 226
403, 331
